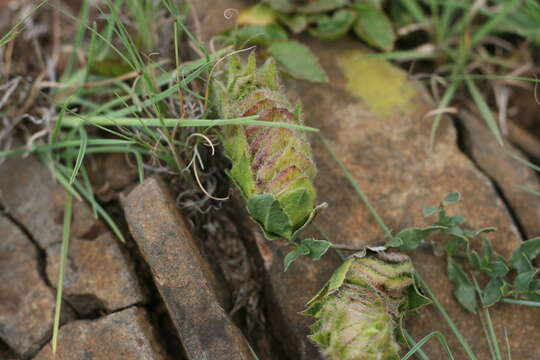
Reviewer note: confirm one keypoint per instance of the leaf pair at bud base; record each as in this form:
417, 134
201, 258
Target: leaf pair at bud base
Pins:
272, 166
360, 308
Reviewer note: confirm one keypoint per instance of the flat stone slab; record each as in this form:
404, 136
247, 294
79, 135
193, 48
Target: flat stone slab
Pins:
100, 274
373, 117
119, 336
505, 171
30, 194
181, 275
26, 303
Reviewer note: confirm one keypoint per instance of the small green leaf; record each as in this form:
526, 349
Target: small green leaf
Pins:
454, 245
522, 282
374, 27
520, 262
464, 290
487, 252
456, 220
497, 268
334, 27
474, 259
531, 248
293, 255
298, 61
317, 248
285, 6
411, 238
452, 198
260, 35
317, 6
492, 292
429, 210
267, 211
296, 23
415, 299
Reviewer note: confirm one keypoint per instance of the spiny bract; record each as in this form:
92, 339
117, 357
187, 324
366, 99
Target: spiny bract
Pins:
360, 307
272, 166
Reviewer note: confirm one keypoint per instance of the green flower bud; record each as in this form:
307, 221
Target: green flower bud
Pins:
359, 310
272, 166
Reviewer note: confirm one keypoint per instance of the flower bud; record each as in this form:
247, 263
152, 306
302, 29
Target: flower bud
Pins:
272, 166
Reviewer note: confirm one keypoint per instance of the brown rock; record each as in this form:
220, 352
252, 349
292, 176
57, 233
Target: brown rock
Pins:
26, 303
374, 119
118, 172
505, 171
182, 276
30, 194
122, 335
99, 274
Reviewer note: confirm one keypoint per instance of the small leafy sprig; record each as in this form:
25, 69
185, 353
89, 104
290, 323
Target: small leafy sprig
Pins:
515, 277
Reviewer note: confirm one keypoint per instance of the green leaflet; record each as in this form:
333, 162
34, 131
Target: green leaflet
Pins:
298, 60
374, 27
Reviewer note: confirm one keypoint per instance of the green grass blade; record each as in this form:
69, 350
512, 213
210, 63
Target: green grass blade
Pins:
419, 353
484, 110
88, 196
521, 302
80, 155
524, 161
357, 188
529, 190
439, 336
420, 281
75, 121
14, 31
415, 10
140, 165
446, 99
68, 207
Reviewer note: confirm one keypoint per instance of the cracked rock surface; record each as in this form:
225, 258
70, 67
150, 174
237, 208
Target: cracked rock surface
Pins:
99, 274
122, 335
26, 303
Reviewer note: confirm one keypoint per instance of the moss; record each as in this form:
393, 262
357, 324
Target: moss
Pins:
382, 87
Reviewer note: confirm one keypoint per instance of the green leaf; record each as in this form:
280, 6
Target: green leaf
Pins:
497, 268
267, 211
520, 262
296, 23
411, 238
260, 35
293, 255
452, 198
464, 290
297, 204
374, 27
487, 252
415, 299
317, 248
285, 6
317, 6
454, 245
474, 259
334, 27
429, 210
531, 248
522, 282
298, 61
484, 110
492, 293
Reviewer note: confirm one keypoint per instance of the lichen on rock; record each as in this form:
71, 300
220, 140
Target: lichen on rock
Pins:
272, 166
